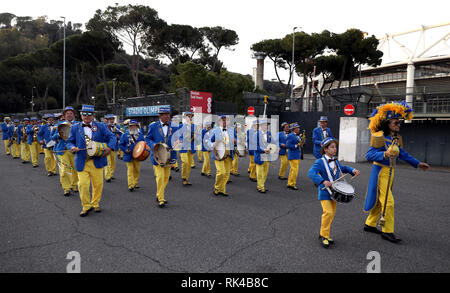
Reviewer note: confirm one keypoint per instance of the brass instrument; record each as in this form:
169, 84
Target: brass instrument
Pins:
301, 139
35, 130
13, 138
24, 134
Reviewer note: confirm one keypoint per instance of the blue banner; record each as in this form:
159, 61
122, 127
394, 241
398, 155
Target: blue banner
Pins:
143, 111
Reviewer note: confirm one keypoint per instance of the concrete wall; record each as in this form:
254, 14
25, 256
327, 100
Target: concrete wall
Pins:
354, 139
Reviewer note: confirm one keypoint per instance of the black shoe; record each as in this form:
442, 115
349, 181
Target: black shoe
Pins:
49, 174
370, 229
262, 191
165, 201
85, 213
113, 178
108, 180
67, 193
203, 174
131, 189
192, 167
390, 237
292, 187
235, 174
282, 178
224, 194
186, 183
75, 190
229, 181
216, 193
324, 242
208, 175
24, 162
254, 180
15, 157
161, 204
35, 166
98, 210
176, 169
137, 187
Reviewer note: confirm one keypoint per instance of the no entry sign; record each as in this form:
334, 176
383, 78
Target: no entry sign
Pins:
349, 110
251, 111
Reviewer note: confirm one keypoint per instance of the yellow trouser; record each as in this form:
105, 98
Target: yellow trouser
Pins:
111, 167
35, 149
162, 178
200, 155
120, 154
25, 151
261, 174
283, 165
6, 143
49, 161
85, 177
206, 168
329, 210
68, 175
377, 210
222, 174
187, 161
15, 149
234, 165
252, 167
133, 172
292, 180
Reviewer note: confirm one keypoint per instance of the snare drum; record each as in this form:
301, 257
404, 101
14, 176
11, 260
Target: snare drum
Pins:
342, 192
96, 149
141, 151
161, 154
50, 145
241, 150
219, 151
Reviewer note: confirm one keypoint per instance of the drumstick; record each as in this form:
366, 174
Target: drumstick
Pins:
70, 150
337, 180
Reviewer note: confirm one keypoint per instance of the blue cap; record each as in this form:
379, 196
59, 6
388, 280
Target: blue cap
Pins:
34, 119
26, 119
51, 115
294, 125
164, 110
263, 121
16, 120
132, 122
87, 108
109, 116
326, 142
223, 116
69, 108
323, 118
188, 113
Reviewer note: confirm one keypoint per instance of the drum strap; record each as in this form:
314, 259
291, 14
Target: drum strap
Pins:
330, 178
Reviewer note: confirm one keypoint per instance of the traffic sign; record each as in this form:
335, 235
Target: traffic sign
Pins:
349, 110
251, 110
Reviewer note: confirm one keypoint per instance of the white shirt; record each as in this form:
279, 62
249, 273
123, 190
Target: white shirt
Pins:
225, 134
325, 133
88, 131
165, 128
332, 164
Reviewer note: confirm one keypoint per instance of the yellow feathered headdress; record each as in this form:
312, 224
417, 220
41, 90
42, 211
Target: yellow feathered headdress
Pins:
389, 111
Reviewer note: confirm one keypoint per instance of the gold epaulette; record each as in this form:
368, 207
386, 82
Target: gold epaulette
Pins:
377, 140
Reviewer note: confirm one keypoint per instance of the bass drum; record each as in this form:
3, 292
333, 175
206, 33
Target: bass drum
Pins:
342, 192
141, 151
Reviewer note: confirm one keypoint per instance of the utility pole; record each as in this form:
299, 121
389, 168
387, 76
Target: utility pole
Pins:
64, 65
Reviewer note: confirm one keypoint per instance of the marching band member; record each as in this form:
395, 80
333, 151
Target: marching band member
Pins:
251, 146
282, 137
225, 134
23, 138
293, 154
14, 139
385, 146
89, 169
44, 136
263, 138
319, 134
206, 151
33, 142
161, 132
127, 142
111, 167
188, 150
68, 175
6, 136
235, 163
41, 147
324, 171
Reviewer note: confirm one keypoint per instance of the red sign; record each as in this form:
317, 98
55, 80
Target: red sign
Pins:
250, 110
349, 110
201, 102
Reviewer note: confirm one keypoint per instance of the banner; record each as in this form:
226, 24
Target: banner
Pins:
143, 111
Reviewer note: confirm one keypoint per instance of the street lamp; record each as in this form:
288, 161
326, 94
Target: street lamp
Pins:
64, 65
93, 99
114, 89
32, 99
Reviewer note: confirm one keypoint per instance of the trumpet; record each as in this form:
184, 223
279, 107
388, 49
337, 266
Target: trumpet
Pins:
301, 139
35, 130
24, 134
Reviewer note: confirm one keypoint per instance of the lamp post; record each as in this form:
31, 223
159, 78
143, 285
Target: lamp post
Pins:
64, 65
93, 99
114, 89
32, 99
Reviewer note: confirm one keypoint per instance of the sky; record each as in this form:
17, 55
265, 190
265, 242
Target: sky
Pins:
256, 20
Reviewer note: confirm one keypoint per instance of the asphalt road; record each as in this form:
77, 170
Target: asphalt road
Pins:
198, 232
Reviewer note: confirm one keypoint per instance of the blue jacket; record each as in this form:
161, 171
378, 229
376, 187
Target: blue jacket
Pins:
30, 132
318, 174
117, 133
45, 133
206, 136
156, 134
77, 139
317, 138
293, 148
187, 138
217, 135
125, 145
261, 145
377, 155
282, 138
251, 141
60, 143
5, 131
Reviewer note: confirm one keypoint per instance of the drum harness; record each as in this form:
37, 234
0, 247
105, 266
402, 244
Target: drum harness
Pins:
329, 172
